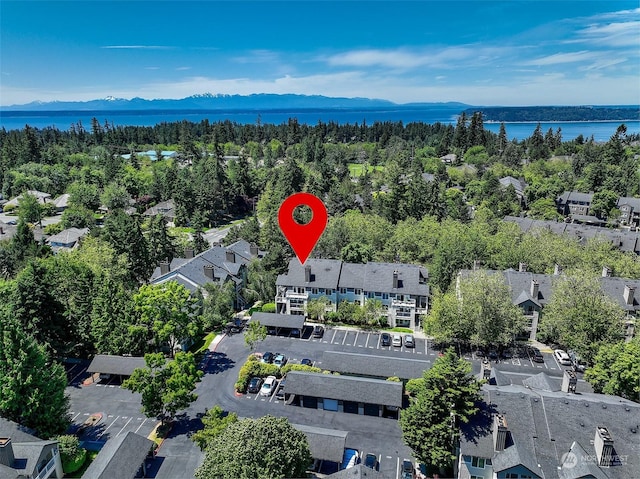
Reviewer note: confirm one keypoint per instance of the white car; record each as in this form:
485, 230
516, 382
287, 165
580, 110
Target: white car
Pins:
562, 357
268, 386
396, 340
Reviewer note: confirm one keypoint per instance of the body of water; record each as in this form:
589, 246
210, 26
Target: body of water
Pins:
62, 120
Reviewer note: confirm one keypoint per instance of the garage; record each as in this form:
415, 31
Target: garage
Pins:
351, 407
371, 409
330, 404
310, 402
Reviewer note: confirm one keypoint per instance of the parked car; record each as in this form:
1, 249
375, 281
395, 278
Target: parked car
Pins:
562, 357
268, 386
280, 360
397, 340
385, 339
254, 385
268, 357
318, 331
479, 353
295, 333
371, 461
280, 391
536, 355
506, 354
409, 341
493, 355
350, 459
407, 470
307, 362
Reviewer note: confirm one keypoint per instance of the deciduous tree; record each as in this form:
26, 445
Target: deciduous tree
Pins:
265, 448
616, 370
215, 422
255, 332
166, 387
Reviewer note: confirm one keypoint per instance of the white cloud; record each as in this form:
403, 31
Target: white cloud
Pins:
560, 58
183, 68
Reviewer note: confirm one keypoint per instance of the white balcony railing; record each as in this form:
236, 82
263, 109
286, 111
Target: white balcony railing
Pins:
45, 472
292, 295
399, 303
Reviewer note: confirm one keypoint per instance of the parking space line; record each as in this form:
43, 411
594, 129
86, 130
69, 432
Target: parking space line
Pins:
145, 420
130, 419
355, 341
77, 375
398, 468
345, 336
107, 428
74, 417
335, 331
366, 344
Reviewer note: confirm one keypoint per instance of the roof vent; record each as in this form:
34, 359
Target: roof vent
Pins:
604, 406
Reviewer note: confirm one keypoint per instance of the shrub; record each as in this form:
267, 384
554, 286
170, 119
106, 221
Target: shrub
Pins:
8, 208
299, 367
72, 455
395, 379
413, 386
254, 368
269, 308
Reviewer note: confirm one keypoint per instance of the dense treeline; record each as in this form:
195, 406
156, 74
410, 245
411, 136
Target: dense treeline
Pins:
389, 195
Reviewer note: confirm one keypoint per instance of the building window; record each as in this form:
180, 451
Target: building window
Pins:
321, 290
511, 475
343, 290
476, 477
358, 291
385, 295
314, 290
350, 290
378, 294
478, 462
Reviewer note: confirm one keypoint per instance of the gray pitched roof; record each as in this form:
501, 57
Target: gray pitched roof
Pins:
498, 378
28, 450
164, 208
69, 236
544, 426
278, 320
326, 444
359, 471
324, 273
110, 364
543, 382
346, 388
518, 185
378, 366
191, 272
121, 457
627, 200
575, 197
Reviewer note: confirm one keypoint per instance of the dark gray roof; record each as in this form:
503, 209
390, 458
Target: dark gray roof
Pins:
121, 457
627, 200
295, 321
346, 388
326, 444
614, 288
164, 208
324, 273
498, 378
545, 426
28, 450
575, 197
359, 471
517, 184
589, 219
622, 239
191, 272
378, 277
110, 364
542, 382
368, 365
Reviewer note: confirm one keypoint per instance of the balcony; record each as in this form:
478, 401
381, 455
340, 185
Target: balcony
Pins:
398, 303
44, 473
293, 295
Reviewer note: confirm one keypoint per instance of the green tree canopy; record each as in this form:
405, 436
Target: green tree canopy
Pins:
169, 312
616, 370
447, 398
265, 448
166, 387
580, 316
215, 422
254, 333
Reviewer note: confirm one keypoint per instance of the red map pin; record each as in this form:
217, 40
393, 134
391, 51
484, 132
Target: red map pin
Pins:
302, 238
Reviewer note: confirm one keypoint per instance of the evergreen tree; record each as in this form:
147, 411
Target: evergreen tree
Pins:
32, 385
448, 397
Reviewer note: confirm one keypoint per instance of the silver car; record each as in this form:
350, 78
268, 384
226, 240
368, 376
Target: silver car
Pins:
408, 341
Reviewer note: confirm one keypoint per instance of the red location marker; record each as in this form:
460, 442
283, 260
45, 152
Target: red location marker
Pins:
302, 238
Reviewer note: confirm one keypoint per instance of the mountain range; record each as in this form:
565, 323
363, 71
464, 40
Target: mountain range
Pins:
208, 101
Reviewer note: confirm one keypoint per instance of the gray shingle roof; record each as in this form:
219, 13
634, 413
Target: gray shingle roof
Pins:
359, 471
110, 364
545, 426
279, 320
324, 273
68, 236
121, 457
543, 382
28, 450
368, 365
346, 388
326, 444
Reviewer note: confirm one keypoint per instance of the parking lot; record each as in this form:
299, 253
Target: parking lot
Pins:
369, 340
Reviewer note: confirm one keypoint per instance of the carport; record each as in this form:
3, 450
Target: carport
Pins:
279, 321
326, 391
325, 444
374, 366
107, 365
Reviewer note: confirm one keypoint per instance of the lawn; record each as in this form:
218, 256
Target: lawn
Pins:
357, 169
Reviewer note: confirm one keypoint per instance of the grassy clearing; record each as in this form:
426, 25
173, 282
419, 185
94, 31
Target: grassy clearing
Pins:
357, 169
201, 345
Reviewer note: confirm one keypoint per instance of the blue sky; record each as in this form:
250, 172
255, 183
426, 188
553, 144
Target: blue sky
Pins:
514, 52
